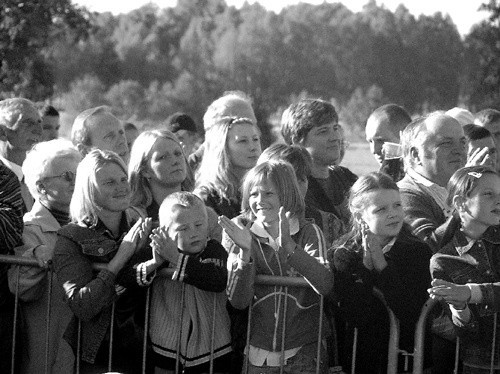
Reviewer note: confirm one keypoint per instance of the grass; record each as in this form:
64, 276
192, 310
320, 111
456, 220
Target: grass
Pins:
359, 159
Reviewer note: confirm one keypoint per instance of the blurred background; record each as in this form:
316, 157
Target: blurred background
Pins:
147, 61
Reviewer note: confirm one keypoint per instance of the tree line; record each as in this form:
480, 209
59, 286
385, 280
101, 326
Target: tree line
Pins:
151, 62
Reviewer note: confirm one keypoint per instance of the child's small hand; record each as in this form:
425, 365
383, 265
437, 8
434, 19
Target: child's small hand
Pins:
457, 295
164, 246
480, 156
284, 239
237, 231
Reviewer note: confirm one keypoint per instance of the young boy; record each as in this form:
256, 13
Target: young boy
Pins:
182, 310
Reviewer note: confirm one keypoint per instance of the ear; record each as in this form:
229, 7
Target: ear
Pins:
41, 188
83, 149
415, 156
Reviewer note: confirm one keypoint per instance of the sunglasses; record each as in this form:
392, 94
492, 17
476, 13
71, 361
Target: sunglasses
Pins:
68, 176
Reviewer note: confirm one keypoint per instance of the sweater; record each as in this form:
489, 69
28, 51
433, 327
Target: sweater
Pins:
303, 307
202, 279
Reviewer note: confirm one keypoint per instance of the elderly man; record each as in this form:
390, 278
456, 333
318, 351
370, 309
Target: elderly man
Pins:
434, 148
231, 104
98, 128
20, 129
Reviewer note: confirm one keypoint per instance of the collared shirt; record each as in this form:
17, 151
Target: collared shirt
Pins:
388, 246
259, 230
258, 356
438, 193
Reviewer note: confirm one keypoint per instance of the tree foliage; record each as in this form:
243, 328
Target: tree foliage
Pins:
151, 62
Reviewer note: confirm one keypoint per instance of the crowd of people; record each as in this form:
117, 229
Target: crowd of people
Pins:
195, 222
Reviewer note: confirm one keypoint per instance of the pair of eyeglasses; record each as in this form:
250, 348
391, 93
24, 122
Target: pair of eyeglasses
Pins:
68, 176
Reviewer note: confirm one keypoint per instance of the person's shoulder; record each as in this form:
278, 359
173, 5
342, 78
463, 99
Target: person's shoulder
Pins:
407, 183
343, 172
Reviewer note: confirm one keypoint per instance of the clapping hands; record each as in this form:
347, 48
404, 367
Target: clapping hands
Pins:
163, 246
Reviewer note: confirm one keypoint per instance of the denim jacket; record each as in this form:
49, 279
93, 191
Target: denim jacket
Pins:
90, 294
476, 262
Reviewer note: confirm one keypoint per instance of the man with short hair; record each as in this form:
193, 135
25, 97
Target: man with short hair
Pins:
20, 129
313, 123
385, 124
50, 123
98, 128
490, 120
434, 147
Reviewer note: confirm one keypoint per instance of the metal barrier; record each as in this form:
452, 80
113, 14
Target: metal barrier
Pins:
418, 364
285, 282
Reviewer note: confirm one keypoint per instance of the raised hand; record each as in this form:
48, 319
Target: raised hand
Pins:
127, 247
164, 246
144, 232
457, 295
237, 231
480, 156
284, 239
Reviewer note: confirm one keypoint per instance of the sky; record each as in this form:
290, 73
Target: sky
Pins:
463, 12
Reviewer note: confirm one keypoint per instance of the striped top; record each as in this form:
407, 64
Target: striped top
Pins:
11, 223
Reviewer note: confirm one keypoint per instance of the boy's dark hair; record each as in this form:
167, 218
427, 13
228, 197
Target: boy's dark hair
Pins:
295, 154
476, 132
486, 117
395, 116
180, 121
299, 118
130, 126
49, 110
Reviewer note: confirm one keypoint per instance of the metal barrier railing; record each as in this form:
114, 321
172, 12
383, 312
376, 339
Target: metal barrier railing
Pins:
420, 330
285, 282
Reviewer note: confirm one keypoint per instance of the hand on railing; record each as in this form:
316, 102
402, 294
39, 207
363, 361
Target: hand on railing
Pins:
457, 295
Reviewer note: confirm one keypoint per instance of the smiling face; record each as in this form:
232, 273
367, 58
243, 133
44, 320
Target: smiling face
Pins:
243, 145
264, 202
383, 213
167, 164
189, 225
59, 183
26, 130
107, 134
442, 151
482, 207
323, 143
112, 190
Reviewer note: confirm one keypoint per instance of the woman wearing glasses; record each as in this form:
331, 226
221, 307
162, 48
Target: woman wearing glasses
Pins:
49, 170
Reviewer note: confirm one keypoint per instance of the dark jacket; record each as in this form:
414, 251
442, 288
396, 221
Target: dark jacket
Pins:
90, 293
462, 262
403, 282
334, 195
